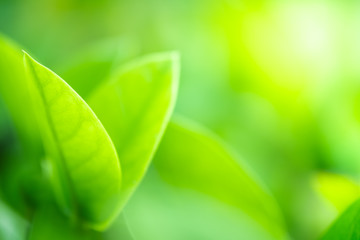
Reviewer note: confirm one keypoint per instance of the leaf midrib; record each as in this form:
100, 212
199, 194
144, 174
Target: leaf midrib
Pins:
65, 173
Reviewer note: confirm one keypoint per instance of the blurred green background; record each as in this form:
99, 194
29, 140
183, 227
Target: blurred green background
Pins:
278, 80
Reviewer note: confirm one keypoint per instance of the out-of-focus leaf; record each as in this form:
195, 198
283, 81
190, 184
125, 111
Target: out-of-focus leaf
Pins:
135, 107
3, 123
161, 211
329, 185
119, 229
22, 147
85, 169
326, 202
6, 132
339, 125
14, 92
91, 66
347, 226
12, 226
50, 223
190, 159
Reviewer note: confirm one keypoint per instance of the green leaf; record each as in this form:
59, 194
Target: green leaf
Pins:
3, 124
12, 226
189, 157
347, 226
135, 107
22, 149
14, 92
50, 223
84, 166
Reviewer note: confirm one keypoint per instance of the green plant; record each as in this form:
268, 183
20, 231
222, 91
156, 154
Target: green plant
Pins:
97, 150
74, 162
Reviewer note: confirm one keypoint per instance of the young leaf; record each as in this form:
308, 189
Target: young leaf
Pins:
135, 107
85, 168
347, 226
191, 158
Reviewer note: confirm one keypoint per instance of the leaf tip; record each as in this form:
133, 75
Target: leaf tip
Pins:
172, 59
27, 58
26, 55
174, 56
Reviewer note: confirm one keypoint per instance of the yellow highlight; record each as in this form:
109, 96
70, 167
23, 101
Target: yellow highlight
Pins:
339, 190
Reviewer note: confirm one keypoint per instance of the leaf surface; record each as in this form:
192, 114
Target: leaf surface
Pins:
190, 158
135, 107
84, 166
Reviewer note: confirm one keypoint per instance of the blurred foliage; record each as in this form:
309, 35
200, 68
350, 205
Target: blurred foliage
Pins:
346, 227
278, 80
